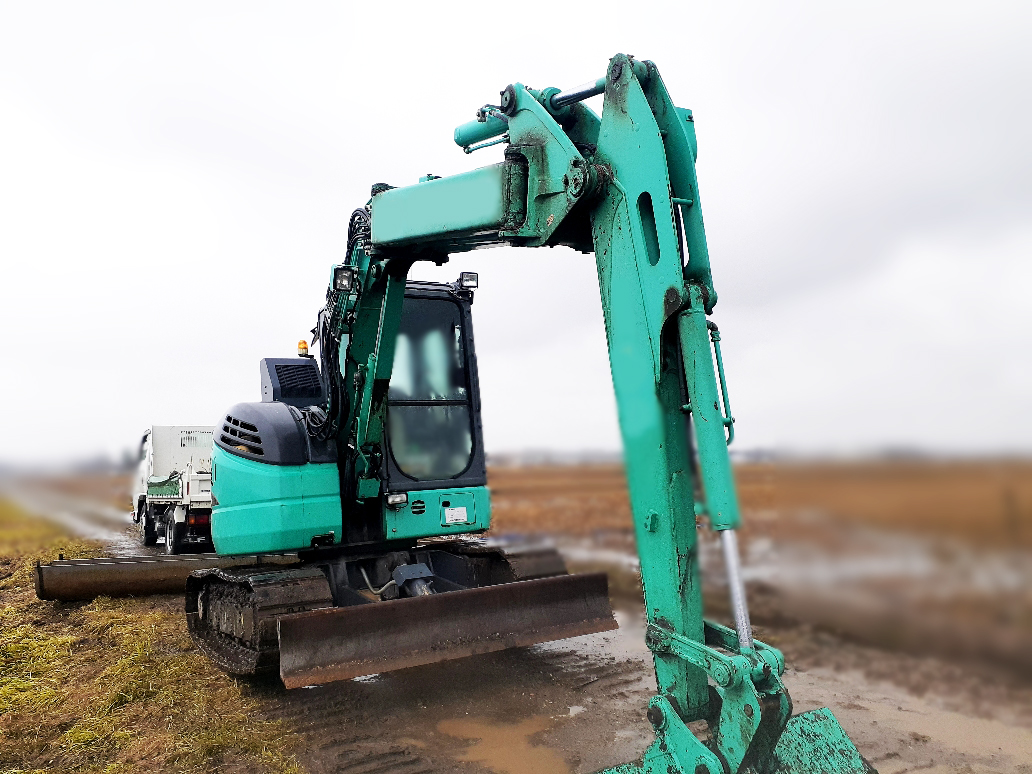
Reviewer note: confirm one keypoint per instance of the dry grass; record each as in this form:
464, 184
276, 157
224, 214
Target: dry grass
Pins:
114, 685
984, 504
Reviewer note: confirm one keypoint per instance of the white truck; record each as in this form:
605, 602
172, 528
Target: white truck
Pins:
172, 488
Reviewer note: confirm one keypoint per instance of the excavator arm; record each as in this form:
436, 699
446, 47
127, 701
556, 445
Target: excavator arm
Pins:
624, 187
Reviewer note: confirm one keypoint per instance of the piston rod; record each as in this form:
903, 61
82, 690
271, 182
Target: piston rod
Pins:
578, 93
739, 606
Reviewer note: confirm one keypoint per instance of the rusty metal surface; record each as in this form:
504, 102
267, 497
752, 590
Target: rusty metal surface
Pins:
70, 580
342, 643
520, 560
231, 613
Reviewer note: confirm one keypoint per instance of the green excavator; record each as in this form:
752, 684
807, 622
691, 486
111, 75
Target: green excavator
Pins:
369, 462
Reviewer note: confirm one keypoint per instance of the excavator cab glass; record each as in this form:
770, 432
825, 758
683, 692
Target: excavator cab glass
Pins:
430, 410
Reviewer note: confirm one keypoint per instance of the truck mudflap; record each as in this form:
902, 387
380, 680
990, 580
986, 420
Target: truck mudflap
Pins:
320, 646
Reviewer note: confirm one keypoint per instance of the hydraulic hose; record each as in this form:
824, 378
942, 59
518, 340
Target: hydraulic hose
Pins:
380, 590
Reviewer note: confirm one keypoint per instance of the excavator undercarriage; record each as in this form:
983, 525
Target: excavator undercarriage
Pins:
345, 617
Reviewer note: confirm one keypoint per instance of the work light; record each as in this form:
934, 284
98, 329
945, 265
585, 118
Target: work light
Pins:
468, 280
344, 278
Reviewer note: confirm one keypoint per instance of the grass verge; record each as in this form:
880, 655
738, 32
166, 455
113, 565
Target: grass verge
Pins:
114, 685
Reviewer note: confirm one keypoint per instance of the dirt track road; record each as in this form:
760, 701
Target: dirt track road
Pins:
81, 516
578, 705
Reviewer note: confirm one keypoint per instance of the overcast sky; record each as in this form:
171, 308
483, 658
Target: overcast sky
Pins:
176, 179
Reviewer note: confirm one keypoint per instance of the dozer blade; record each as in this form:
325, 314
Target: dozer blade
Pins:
71, 580
814, 743
321, 646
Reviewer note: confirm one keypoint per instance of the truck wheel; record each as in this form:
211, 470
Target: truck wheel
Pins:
173, 536
147, 530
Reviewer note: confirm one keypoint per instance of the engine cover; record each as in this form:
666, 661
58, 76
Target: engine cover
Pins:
274, 488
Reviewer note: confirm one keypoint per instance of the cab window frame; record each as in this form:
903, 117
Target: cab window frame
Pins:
470, 402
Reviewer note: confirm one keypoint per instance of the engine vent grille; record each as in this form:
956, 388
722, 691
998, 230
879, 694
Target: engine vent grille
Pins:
242, 436
298, 381
418, 507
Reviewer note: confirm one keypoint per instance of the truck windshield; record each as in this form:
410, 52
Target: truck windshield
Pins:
428, 415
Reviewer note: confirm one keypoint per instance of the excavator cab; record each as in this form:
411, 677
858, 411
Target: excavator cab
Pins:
434, 468
277, 486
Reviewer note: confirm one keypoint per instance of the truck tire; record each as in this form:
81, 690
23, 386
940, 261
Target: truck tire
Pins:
173, 536
147, 529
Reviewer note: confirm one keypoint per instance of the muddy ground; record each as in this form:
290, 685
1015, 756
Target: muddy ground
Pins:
914, 626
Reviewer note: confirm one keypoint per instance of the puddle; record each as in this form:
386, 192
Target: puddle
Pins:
506, 749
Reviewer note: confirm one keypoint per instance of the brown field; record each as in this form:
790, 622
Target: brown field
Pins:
981, 503
942, 549
566, 499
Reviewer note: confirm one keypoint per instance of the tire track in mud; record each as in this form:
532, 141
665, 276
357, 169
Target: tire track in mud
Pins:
579, 673
393, 722
591, 692
339, 734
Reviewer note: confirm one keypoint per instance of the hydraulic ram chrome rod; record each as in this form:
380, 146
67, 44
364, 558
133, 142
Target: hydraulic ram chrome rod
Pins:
739, 606
578, 93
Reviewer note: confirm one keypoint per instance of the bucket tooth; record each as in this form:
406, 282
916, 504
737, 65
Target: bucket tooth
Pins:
321, 646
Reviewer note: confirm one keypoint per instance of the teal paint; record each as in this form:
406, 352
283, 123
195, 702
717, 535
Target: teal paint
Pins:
274, 507
642, 352
814, 741
468, 203
477, 131
424, 515
708, 422
656, 288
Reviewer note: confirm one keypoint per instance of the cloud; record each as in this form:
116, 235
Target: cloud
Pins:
175, 181
930, 351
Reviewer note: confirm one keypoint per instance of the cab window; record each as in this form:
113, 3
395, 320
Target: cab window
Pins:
429, 417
